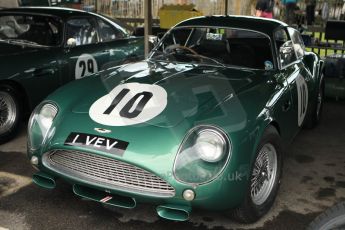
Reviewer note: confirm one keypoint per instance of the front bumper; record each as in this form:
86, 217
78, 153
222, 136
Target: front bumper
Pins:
221, 194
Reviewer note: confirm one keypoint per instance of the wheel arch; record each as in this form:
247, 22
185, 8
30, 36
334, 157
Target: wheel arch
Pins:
275, 124
22, 93
268, 122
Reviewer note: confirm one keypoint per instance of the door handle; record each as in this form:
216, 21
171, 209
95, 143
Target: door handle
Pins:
41, 72
286, 106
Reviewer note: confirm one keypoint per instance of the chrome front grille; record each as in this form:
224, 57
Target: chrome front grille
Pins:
107, 172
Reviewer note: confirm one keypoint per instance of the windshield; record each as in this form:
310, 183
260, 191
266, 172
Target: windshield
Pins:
30, 30
216, 46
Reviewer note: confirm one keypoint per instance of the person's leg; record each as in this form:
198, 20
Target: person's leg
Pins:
290, 13
308, 14
312, 14
287, 13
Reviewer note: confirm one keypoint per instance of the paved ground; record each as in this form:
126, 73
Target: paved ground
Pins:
314, 179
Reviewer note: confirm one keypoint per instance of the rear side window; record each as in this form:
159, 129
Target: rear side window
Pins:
107, 32
82, 30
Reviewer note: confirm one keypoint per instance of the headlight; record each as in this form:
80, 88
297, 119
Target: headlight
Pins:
203, 155
210, 145
47, 115
40, 123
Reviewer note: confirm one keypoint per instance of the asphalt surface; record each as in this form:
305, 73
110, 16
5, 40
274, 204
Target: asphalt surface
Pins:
313, 179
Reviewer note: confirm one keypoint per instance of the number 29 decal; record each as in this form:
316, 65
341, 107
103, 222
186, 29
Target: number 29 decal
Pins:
129, 104
302, 95
86, 65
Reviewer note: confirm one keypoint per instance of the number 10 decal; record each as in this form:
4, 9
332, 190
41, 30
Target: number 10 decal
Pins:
129, 104
125, 111
302, 95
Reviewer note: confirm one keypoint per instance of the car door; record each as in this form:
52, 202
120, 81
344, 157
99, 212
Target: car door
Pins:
84, 53
300, 87
291, 52
121, 47
35, 65
289, 76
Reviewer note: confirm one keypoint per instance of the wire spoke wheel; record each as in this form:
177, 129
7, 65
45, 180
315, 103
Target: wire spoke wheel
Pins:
264, 174
8, 112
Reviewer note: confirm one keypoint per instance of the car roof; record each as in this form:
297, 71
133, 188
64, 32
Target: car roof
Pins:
56, 11
263, 25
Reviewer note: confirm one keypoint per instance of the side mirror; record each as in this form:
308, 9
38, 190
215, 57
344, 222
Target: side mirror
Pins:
71, 42
286, 48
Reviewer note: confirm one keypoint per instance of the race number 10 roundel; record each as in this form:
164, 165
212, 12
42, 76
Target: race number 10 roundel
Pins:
302, 96
129, 104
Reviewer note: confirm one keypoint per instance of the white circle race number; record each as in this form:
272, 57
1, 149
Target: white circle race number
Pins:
86, 65
129, 104
302, 95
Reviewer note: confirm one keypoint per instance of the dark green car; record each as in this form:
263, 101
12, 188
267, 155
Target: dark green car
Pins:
202, 123
44, 48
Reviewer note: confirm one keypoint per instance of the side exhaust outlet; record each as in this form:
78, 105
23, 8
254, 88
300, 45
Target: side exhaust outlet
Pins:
44, 180
174, 212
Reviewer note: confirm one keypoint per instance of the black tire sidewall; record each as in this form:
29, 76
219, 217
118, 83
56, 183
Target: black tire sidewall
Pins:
325, 218
313, 119
322, 90
11, 91
257, 211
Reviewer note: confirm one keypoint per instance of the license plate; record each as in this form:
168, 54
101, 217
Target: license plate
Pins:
105, 144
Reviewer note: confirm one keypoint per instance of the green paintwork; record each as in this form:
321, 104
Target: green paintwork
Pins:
242, 102
174, 212
44, 180
37, 71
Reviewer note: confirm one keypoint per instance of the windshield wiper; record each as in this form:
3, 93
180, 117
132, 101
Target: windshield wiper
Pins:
208, 58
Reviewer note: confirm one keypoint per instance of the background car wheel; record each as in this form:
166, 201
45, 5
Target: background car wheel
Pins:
332, 218
264, 181
315, 114
10, 113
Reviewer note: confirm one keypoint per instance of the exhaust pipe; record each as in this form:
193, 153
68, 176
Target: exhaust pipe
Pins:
44, 180
174, 212
104, 197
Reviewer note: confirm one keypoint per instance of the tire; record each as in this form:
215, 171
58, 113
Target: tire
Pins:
332, 218
10, 113
315, 114
258, 202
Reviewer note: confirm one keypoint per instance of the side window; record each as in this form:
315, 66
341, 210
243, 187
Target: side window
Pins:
45, 31
107, 32
285, 47
81, 31
297, 42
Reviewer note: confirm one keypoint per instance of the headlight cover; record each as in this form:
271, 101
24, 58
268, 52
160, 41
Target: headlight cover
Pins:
202, 155
40, 123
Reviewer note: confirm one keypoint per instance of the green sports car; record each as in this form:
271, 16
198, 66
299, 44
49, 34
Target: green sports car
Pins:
201, 123
42, 48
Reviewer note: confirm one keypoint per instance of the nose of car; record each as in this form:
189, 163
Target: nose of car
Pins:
146, 146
